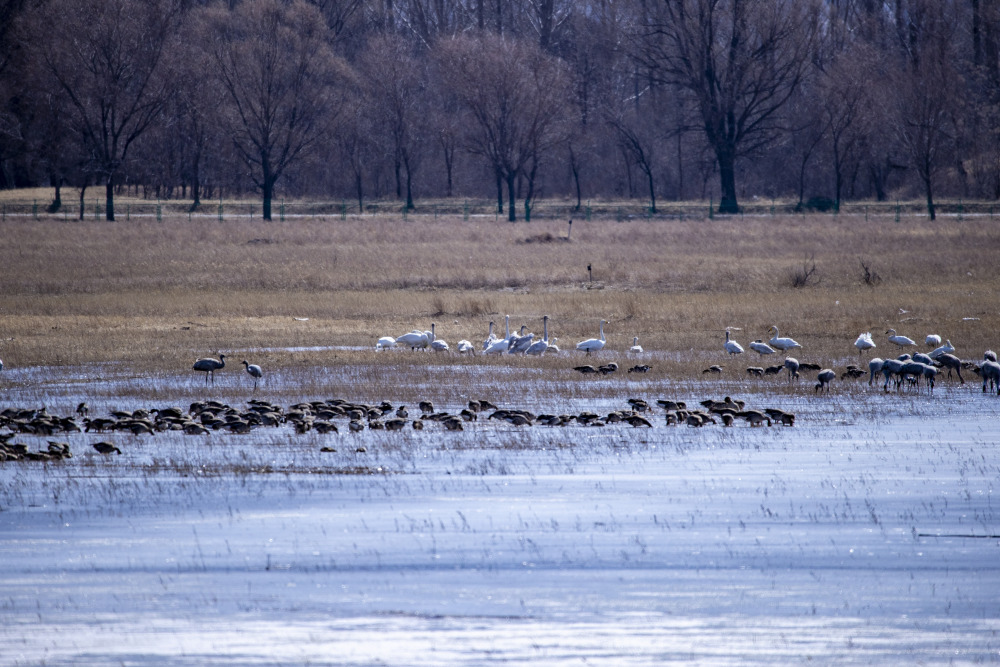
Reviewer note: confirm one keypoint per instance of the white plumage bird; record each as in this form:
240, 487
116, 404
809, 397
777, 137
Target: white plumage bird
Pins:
490, 338
636, 348
947, 348
593, 344
540, 346
414, 340
731, 346
783, 344
761, 348
463, 346
864, 342
255, 371
385, 342
902, 341
932, 340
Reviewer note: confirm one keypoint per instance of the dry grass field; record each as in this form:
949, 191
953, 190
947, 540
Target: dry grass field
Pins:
156, 295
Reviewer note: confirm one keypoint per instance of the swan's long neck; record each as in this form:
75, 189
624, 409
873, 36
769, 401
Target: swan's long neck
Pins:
545, 329
635, 340
432, 332
506, 325
602, 331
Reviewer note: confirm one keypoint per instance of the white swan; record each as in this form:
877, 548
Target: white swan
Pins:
864, 342
498, 345
490, 338
761, 348
901, 341
385, 342
414, 340
932, 340
540, 346
783, 344
436, 344
732, 347
593, 344
636, 348
463, 346
947, 348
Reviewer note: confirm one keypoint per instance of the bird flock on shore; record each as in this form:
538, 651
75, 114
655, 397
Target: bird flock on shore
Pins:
331, 416
205, 417
904, 370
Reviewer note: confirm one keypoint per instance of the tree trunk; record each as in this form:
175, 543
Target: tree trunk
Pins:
575, 167
57, 196
448, 163
530, 195
409, 183
930, 197
359, 184
399, 182
511, 209
727, 182
409, 191
268, 191
652, 192
500, 194
680, 169
83, 189
196, 188
109, 200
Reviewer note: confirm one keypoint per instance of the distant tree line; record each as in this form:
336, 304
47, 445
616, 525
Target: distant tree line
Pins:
820, 100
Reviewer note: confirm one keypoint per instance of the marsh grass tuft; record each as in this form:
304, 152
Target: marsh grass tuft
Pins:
806, 276
869, 276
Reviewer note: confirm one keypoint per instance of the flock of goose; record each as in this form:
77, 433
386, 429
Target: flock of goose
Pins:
204, 417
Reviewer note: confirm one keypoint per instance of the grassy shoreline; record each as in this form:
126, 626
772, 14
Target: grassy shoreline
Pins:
160, 293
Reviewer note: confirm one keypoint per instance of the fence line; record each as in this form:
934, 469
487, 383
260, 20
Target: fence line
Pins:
479, 208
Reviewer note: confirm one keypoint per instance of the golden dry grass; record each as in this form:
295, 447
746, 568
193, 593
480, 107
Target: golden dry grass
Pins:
156, 295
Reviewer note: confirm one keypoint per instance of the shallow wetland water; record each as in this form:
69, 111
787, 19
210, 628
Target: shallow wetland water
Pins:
864, 534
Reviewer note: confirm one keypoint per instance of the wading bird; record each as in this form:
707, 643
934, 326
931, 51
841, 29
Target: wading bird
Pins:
208, 366
255, 371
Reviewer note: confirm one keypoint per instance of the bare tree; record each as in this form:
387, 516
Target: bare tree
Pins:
927, 84
740, 59
395, 83
354, 143
516, 97
846, 101
274, 62
106, 56
638, 140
